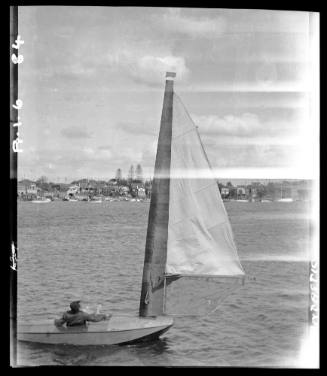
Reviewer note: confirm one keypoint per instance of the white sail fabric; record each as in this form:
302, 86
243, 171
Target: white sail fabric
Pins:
200, 240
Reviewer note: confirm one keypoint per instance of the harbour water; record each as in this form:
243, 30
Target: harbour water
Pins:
79, 250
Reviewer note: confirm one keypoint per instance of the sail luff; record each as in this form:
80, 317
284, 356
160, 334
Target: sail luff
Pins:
152, 293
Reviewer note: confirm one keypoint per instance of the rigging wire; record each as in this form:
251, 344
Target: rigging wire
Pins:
221, 299
228, 293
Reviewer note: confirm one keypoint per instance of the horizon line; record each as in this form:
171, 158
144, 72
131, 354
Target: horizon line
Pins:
151, 178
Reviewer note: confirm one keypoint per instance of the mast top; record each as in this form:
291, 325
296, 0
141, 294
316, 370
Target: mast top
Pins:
170, 76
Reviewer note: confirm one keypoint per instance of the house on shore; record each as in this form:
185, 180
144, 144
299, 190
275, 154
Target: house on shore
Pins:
224, 192
138, 189
73, 190
241, 192
27, 190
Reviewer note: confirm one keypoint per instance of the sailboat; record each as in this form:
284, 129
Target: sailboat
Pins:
188, 235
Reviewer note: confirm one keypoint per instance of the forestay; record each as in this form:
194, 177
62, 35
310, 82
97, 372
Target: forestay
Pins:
200, 239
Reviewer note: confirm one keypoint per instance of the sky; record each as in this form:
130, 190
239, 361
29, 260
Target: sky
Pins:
92, 84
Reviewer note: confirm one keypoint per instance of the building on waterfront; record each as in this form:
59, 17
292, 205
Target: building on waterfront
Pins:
224, 192
123, 190
241, 192
113, 187
21, 189
137, 189
27, 190
102, 188
141, 192
73, 190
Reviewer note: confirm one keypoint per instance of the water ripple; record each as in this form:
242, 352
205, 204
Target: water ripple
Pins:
96, 253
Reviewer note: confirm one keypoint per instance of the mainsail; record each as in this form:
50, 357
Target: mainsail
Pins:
200, 239
189, 233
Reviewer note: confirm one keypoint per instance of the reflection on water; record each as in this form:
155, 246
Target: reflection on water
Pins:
136, 354
96, 253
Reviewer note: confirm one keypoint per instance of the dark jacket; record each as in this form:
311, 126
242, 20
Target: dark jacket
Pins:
78, 318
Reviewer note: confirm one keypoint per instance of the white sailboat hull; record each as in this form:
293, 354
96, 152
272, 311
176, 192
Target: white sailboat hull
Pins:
117, 330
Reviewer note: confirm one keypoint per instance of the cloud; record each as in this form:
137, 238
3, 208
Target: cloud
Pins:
102, 153
75, 133
147, 68
175, 22
68, 159
79, 68
151, 68
105, 147
245, 125
252, 156
139, 128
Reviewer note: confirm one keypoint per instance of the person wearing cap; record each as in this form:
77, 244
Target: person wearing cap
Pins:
76, 316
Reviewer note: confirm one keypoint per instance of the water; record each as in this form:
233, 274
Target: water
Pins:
94, 252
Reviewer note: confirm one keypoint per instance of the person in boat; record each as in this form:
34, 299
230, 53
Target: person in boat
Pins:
76, 316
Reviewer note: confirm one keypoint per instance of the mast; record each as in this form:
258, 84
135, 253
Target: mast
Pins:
152, 293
